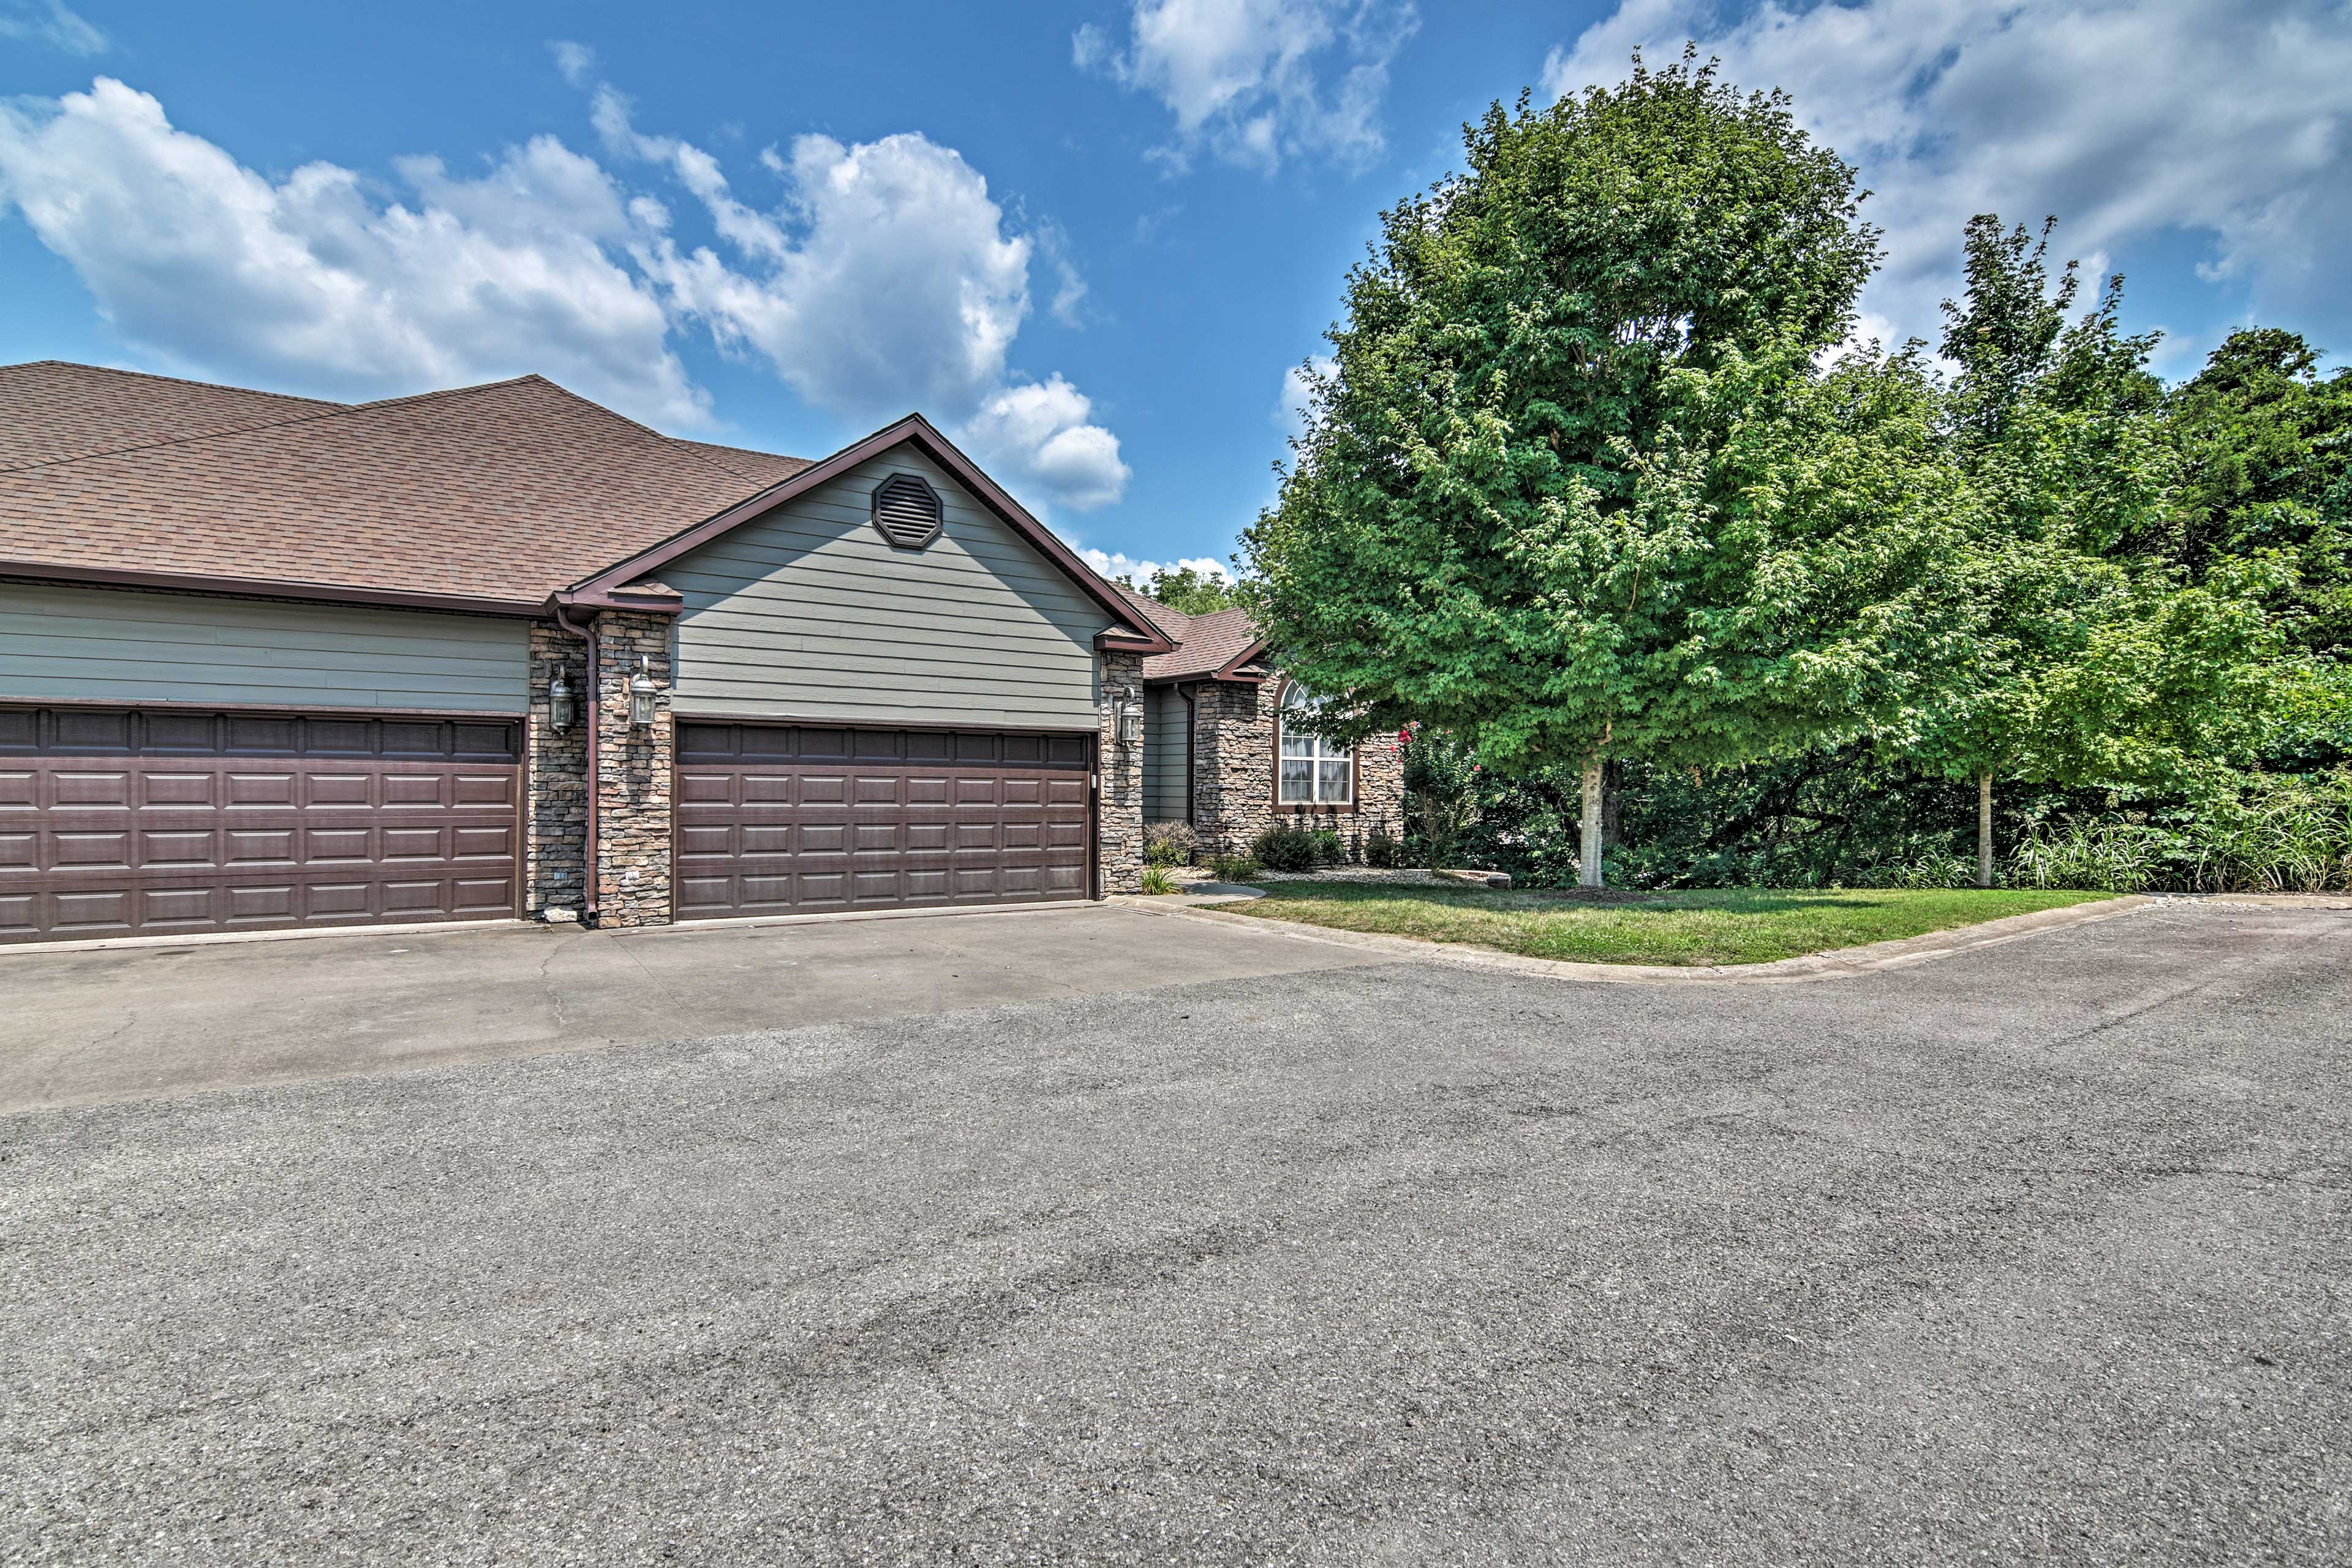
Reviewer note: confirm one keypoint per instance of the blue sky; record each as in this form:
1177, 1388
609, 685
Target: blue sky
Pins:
1090, 240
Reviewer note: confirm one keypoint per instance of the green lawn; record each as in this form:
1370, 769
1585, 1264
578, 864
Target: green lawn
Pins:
1733, 925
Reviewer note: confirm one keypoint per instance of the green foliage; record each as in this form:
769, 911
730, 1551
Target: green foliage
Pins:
1576, 486
1156, 880
1283, 847
1193, 593
1231, 867
1329, 848
1169, 843
1383, 850
2265, 447
1440, 777
2084, 655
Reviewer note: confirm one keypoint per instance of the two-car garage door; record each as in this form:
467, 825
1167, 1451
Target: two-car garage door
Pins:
169, 821
793, 820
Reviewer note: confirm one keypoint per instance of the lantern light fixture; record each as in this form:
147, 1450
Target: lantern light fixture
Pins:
641, 697
1127, 714
561, 710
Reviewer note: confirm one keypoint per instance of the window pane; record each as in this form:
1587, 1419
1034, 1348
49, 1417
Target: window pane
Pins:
1296, 746
1335, 781
1297, 782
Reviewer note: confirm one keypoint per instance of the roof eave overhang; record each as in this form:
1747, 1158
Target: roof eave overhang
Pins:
618, 599
919, 431
265, 588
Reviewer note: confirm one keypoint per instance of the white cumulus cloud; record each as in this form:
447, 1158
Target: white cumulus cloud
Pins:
887, 280
1257, 81
314, 280
2228, 117
1113, 563
1042, 432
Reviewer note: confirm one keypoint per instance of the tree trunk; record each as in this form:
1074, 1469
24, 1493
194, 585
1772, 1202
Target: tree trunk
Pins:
1588, 856
1984, 828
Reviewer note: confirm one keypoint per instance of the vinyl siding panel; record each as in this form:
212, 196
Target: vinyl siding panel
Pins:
1163, 754
70, 644
808, 613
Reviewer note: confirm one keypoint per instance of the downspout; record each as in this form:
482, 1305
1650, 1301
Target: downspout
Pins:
1192, 762
588, 857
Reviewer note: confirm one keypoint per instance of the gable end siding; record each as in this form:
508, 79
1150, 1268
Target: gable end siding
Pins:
103, 645
809, 613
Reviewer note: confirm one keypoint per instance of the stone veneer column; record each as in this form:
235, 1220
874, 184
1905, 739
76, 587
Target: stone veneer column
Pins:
1119, 803
555, 824
632, 773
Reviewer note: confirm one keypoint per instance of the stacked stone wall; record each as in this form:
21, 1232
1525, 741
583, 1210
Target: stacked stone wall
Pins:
632, 773
1119, 803
1233, 775
556, 821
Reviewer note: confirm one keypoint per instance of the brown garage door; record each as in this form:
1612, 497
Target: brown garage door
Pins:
118, 823
778, 819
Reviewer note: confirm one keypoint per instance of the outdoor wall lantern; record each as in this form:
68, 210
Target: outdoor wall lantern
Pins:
561, 711
641, 697
1127, 714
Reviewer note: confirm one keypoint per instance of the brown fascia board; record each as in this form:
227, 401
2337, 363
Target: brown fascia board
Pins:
263, 588
915, 428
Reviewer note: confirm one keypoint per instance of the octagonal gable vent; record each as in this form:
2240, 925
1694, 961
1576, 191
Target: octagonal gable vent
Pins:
907, 511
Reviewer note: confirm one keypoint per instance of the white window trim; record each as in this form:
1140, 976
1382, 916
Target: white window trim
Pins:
1320, 752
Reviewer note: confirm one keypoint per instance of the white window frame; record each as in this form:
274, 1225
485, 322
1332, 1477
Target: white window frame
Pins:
1319, 755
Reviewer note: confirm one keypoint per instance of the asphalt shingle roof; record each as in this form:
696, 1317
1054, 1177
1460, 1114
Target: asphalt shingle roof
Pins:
504, 492
1204, 644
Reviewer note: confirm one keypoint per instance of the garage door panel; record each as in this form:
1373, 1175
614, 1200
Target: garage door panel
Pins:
920, 817
162, 791
178, 847
159, 840
260, 789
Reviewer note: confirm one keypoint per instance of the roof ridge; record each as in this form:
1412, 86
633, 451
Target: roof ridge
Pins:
710, 454
465, 391
333, 411
178, 381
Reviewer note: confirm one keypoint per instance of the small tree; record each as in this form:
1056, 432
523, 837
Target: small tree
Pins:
2085, 658
1575, 488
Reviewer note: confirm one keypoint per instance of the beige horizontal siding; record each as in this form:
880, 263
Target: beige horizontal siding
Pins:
100, 644
809, 613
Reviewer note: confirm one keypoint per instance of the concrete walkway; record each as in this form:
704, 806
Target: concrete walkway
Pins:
130, 1021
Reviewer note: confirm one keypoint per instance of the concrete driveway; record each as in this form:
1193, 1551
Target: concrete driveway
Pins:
2040, 1252
121, 1023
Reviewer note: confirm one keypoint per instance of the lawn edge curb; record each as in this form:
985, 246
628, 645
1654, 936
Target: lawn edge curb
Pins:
1832, 964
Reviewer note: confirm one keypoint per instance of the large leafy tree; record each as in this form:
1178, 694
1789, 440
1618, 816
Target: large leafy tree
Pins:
1574, 488
2266, 449
2089, 658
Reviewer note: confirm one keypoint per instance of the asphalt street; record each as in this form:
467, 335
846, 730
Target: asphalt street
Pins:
2039, 1252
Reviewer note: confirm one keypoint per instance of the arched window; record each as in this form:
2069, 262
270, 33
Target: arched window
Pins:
1308, 769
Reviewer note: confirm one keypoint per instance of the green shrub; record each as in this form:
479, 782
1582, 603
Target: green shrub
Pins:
1171, 842
1929, 869
1285, 848
1329, 848
1381, 849
1231, 867
1156, 880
